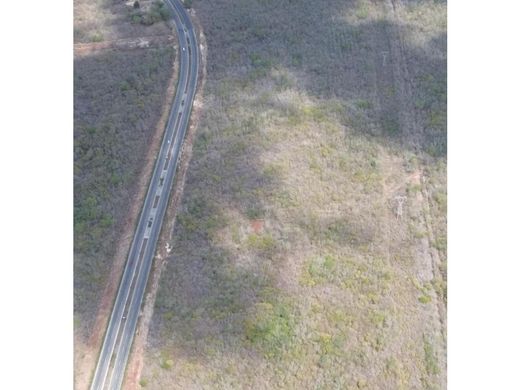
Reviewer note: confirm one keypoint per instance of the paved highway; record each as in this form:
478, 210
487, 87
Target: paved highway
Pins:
119, 336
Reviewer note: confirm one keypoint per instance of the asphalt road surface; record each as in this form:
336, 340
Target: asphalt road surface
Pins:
119, 336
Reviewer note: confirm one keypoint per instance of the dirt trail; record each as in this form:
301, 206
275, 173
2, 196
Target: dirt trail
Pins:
428, 259
402, 81
83, 49
136, 360
86, 364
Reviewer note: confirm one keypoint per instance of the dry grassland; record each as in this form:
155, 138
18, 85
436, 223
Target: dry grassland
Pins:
293, 265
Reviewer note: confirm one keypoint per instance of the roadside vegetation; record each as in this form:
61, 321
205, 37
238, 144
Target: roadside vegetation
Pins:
118, 98
310, 247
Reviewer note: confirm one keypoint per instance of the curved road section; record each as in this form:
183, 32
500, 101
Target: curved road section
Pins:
119, 335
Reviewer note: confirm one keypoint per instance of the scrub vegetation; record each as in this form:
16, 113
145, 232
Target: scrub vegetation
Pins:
118, 97
105, 20
309, 251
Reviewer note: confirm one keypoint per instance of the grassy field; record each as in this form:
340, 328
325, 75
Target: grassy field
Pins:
118, 98
293, 265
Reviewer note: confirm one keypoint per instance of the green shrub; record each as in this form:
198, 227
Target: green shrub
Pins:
363, 104
254, 213
136, 17
391, 126
97, 37
429, 357
441, 244
167, 364
263, 243
158, 12
271, 327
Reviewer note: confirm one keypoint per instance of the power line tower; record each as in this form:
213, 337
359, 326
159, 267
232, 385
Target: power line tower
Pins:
400, 201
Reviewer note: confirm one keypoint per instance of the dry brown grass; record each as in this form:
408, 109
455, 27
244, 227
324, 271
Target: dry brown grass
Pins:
315, 118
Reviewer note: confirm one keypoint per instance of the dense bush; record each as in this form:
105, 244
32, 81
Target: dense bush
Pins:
117, 102
158, 12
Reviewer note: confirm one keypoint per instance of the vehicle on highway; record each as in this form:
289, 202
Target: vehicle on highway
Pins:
115, 350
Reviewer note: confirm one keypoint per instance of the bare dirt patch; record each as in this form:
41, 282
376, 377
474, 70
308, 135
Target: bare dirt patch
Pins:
257, 225
82, 49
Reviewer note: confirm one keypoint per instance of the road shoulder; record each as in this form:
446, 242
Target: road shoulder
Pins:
136, 360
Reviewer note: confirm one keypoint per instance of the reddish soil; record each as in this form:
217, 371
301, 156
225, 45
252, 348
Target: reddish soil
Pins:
257, 225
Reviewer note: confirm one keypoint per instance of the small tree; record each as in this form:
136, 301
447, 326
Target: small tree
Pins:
136, 4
